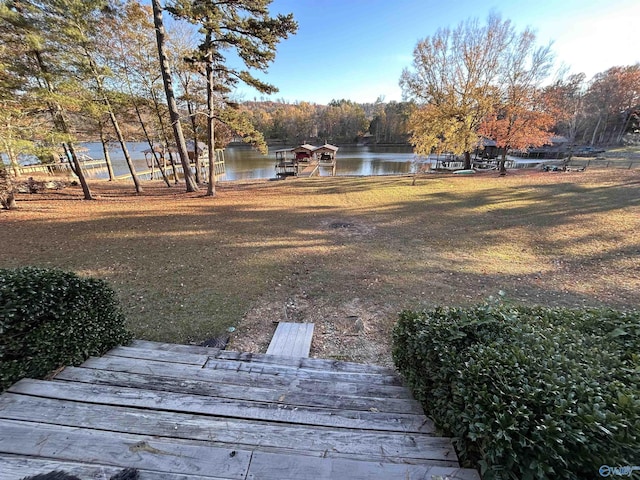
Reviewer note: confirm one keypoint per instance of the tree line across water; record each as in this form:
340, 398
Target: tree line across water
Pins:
107, 69
341, 121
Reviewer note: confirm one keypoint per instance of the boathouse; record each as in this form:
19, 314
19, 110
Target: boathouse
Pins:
305, 160
304, 153
326, 153
286, 163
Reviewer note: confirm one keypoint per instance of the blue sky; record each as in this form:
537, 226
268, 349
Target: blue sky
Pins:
357, 49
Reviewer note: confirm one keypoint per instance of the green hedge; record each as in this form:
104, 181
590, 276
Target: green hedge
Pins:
528, 393
50, 318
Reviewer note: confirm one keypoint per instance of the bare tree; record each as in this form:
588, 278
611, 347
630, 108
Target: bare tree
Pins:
564, 99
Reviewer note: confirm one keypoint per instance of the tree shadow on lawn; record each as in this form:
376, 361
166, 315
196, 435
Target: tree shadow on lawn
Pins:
547, 204
189, 275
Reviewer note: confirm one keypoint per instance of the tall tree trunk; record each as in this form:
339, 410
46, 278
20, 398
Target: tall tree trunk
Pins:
604, 131
123, 145
196, 157
467, 160
13, 160
60, 122
78, 170
149, 141
67, 155
7, 193
503, 161
105, 151
595, 130
156, 105
211, 144
625, 125
189, 179
144, 127
114, 121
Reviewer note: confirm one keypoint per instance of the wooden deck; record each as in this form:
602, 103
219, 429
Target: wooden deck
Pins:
291, 340
178, 412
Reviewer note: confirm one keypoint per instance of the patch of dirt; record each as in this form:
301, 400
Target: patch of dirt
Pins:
347, 227
350, 331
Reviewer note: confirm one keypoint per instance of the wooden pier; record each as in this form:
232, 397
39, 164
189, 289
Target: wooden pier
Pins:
61, 168
156, 173
91, 167
180, 412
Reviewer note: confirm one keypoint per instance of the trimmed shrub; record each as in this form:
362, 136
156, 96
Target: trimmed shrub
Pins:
528, 392
50, 318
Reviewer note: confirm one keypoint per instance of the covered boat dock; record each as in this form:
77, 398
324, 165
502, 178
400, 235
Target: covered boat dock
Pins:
305, 160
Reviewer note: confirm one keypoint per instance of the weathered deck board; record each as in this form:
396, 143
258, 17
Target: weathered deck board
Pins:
318, 441
180, 402
160, 355
292, 384
270, 369
198, 413
200, 387
266, 466
308, 363
291, 340
137, 451
305, 363
14, 467
257, 367
253, 367
174, 347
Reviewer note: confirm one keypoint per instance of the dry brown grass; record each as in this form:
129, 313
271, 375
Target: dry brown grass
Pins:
344, 253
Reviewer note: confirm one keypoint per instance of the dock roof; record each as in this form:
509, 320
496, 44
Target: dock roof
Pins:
327, 146
310, 148
304, 147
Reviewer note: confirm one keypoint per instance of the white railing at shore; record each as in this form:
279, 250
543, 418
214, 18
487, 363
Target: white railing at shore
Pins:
61, 167
156, 173
91, 168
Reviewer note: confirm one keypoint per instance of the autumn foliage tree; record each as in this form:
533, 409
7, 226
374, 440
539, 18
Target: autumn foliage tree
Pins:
518, 118
472, 78
453, 83
564, 101
611, 101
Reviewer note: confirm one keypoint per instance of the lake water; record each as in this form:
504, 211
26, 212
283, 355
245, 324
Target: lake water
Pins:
243, 162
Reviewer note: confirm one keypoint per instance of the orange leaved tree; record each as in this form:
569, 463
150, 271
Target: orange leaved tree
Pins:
518, 118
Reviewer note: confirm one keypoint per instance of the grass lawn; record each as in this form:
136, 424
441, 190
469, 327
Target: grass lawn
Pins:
344, 253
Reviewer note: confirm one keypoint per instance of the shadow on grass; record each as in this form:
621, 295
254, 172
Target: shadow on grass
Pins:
190, 269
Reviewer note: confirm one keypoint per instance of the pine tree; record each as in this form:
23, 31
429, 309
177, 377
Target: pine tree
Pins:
244, 27
174, 114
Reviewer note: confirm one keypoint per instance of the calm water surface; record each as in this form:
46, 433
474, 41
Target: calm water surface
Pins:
243, 162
